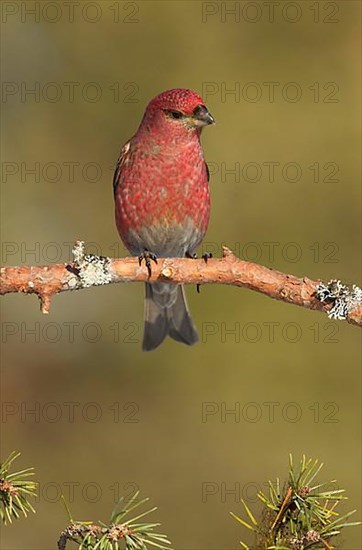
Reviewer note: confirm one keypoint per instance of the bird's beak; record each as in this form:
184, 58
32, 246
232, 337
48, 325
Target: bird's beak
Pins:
201, 117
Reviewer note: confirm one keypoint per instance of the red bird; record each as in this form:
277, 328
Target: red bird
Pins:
162, 202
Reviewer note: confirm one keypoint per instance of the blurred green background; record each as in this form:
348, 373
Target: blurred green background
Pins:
140, 420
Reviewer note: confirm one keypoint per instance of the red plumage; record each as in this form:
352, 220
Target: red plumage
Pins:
162, 201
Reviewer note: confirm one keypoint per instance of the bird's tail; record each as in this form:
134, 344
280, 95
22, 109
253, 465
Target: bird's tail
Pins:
166, 313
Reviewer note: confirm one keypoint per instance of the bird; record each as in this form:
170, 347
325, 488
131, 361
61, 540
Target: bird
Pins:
162, 203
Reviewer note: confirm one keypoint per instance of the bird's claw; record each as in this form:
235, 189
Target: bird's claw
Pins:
147, 256
205, 257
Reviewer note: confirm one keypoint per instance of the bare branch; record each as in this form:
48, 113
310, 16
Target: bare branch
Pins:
333, 298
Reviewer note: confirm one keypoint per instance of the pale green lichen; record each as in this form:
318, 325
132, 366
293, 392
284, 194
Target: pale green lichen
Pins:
92, 270
341, 296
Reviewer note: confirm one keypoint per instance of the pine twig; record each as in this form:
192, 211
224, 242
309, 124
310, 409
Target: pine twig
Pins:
120, 533
15, 490
302, 516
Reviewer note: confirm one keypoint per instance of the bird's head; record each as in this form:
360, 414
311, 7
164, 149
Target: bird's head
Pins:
177, 111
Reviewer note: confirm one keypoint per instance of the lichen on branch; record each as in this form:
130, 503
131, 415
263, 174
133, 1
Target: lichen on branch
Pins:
334, 298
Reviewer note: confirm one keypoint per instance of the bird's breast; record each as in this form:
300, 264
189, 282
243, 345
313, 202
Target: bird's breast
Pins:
156, 186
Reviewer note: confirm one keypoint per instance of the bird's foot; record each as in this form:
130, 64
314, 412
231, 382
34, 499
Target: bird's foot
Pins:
205, 257
147, 256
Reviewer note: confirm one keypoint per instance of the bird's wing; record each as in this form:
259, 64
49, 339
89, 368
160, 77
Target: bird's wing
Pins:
120, 163
207, 172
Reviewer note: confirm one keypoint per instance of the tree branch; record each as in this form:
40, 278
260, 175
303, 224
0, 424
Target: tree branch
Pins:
333, 298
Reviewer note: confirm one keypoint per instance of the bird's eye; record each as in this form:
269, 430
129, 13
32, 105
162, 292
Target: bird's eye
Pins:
176, 114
